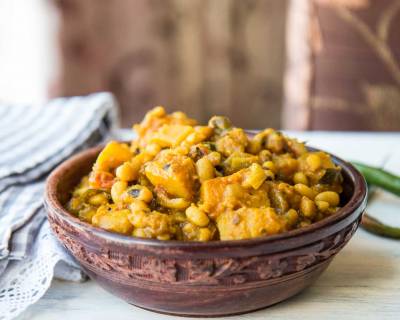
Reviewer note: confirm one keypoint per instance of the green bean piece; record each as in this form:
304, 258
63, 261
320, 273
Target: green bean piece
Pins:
380, 178
373, 225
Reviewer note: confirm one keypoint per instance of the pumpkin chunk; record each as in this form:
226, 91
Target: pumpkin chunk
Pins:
171, 135
174, 172
113, 155
246, 223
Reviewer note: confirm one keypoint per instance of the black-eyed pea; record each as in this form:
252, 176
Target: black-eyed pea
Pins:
285, 187
138, 192
126, 172
190, 231
174, 203
329, 196
87, 214
276, 142
308, 207
139, 206
197, 136
204, 234
200, 134
98, 199
197, 216
137, 219
75, 204
145, 195
205, 169
179, 216
304, 190
182, 149
265, 155
322, 205
269, 165
136, 164
164, 236
313, 161
191, 138
189, 228
257, 143
117, 190
153, 149
300, 177
292, 217
140, 233
214, 157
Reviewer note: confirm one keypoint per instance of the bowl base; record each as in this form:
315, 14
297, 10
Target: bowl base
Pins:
231, 302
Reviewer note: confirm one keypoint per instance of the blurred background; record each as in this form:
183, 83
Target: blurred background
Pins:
299, 64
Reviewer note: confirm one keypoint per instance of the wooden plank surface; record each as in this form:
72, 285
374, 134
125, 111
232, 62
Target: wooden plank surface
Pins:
203, 57
362, 282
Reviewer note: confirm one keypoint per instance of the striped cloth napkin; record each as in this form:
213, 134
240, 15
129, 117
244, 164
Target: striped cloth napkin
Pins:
33, 140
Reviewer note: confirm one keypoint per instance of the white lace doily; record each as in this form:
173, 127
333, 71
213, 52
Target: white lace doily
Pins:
24, 282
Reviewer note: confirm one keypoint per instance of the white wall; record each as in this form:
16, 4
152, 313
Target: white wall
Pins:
27, 56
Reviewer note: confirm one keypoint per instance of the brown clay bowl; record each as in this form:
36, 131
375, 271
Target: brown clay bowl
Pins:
202, 279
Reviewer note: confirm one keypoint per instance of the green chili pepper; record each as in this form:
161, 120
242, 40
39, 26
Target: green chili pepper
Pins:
380, 178
377, 177
375, 226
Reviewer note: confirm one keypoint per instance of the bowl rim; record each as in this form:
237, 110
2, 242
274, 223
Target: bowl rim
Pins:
52, 203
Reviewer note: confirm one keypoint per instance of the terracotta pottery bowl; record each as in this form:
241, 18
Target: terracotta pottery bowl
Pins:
202, 279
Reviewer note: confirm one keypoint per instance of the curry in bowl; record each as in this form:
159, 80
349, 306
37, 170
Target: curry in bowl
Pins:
182, 181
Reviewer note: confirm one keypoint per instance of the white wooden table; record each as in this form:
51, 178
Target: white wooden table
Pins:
363, 281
